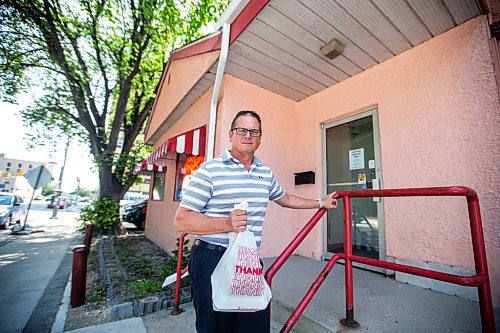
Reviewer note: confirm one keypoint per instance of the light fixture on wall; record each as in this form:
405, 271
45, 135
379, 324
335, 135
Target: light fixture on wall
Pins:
332, 49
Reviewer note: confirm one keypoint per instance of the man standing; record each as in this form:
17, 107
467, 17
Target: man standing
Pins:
206, 210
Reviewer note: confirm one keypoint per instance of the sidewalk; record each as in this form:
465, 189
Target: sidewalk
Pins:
34, 271
381, 305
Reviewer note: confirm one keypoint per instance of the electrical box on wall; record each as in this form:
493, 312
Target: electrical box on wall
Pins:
306, 177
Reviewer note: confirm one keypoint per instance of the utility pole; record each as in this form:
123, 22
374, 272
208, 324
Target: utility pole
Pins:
59, 189
77, 192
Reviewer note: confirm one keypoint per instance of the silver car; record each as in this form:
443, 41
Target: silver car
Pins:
11, 209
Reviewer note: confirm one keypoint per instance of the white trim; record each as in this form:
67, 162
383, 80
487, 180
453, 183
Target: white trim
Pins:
181, 144
373, 112
226, 31
196, 142
232, 12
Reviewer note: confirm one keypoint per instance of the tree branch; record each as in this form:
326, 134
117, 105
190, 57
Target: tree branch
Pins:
85, 80
26, 65
126, 86
55, 49
97, 48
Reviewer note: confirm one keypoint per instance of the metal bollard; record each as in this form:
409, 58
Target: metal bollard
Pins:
89, 231
79, 278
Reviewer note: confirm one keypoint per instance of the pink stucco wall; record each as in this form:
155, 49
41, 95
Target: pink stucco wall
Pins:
439, 126
439, 121
160, 217
277, 150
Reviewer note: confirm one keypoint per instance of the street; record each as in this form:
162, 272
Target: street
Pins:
29, 263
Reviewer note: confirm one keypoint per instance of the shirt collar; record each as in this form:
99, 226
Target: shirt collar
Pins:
227, 156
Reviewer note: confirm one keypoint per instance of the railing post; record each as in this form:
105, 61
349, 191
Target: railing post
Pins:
177, 310
481, 264
349, 288
79, 275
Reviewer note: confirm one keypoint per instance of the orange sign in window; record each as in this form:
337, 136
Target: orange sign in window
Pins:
192, 163
185, 170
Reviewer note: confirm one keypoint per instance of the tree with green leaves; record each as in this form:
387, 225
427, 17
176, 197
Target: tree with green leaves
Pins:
82, 192
48, 189
99, 65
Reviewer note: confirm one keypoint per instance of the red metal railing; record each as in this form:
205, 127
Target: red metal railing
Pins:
180, 271
479, 280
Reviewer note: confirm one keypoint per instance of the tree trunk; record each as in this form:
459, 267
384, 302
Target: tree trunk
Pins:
110, 188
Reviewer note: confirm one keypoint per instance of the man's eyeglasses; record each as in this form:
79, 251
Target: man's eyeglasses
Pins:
243, 131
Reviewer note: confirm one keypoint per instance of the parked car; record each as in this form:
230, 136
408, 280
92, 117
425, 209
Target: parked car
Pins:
11, 209
136, 213
131, 198
63, 203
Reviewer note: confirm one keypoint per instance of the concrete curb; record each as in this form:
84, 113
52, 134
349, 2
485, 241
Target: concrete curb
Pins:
60, 321
131, 325
147, 306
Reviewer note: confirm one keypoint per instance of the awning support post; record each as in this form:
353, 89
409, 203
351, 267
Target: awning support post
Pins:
226, 31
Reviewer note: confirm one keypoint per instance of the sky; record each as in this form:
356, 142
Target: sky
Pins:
14, 145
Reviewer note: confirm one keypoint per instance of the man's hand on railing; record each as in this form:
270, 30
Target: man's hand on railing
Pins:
329, 202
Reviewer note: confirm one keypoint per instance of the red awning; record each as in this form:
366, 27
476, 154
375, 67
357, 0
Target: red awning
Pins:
145, 166
192, 142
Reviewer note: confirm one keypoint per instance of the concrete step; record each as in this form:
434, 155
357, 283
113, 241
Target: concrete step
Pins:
281, 312
380, 305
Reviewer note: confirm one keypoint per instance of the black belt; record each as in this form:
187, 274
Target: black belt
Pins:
210, 246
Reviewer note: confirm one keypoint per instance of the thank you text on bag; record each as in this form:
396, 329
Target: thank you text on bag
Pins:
247, 276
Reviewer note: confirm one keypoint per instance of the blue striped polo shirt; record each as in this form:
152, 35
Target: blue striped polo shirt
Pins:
220, 183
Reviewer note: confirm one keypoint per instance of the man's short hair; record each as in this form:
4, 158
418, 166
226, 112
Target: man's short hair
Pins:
246, 113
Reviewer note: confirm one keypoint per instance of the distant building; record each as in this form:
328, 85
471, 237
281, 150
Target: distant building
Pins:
142, 188
13, 170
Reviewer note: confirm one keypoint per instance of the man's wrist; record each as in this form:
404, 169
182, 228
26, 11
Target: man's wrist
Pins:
320, 201
229, 224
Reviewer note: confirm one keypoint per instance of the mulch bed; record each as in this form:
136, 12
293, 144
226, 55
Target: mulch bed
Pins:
121, 269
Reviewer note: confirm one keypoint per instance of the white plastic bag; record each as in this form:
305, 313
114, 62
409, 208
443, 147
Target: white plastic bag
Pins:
172, 278
238, 283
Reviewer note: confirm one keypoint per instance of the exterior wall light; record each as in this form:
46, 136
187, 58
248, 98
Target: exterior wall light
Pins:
332, 49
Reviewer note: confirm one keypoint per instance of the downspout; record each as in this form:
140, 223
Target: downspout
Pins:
226, 31
234, 9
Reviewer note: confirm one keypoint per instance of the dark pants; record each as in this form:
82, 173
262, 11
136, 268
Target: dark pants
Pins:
202, 264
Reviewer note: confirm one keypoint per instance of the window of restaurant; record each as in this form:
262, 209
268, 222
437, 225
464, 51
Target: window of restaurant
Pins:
158, 186
185, 167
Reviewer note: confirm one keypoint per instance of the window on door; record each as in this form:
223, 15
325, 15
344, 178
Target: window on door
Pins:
351, 166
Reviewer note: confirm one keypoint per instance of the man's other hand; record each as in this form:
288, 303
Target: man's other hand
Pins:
238, 220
